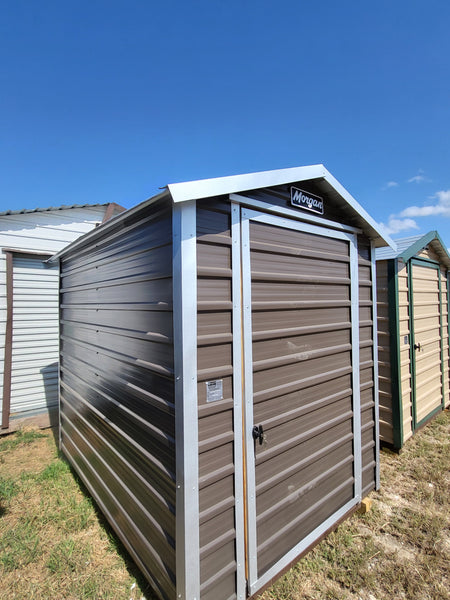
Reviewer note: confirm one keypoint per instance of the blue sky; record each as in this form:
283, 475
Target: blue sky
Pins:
106, 101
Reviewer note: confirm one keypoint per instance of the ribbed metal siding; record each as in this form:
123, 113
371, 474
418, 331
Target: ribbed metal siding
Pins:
34, 378
216, 460
384, 354
427, 334
117, 388
404, 302
367, 331
302, 387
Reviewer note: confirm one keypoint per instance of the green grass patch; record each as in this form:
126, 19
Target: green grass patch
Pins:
21, 437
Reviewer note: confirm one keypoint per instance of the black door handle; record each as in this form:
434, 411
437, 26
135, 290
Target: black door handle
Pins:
417, 346
258, 434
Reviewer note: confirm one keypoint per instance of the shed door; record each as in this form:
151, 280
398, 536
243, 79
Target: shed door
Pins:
427, 340
301, 387
34, 375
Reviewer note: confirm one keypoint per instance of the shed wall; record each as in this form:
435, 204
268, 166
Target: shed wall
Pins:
384, 354
216, 435
117, 384
404, 299
367, 333
47, 231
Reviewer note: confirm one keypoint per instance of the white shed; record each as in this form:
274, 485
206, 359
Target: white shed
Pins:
29, 306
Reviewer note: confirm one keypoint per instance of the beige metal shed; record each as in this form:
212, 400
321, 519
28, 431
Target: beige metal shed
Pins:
413, 335
218, 374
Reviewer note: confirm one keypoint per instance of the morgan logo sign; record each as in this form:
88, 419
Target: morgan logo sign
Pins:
306, 201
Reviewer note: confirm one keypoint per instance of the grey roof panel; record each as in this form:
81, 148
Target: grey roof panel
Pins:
48, 208
408, 247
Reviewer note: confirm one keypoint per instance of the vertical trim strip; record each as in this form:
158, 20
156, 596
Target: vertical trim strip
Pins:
354, 290
6, 406
184, 227
411, 347
394, 343
376, 390
237, 404
248, 401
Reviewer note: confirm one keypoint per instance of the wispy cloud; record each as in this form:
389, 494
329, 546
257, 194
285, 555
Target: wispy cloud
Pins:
419, 178
396, 225
390, 184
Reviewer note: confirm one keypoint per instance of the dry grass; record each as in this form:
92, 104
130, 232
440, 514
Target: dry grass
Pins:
54, 544
401, 548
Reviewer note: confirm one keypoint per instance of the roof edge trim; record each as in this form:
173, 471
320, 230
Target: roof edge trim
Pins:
218, 186
420, 244
105, 226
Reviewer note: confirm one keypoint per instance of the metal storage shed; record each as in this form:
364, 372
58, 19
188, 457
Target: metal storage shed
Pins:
29, 308
413, 335
218, 375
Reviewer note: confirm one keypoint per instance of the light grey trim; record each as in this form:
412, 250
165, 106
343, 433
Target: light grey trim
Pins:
298, 226
208, 188
59, 357
290, 556
237, 405
248, 399
357, 456
289, 212
254, 582
218, 186
186, 417
376, 390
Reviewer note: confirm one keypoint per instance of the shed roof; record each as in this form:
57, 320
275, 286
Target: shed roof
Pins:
408, 247
48, 208
204, 188
223, 186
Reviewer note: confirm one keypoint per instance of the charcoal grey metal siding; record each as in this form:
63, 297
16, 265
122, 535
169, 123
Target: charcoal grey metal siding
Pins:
117, 383
216, 431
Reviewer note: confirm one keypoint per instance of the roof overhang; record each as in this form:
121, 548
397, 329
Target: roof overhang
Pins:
433, 239
209, 188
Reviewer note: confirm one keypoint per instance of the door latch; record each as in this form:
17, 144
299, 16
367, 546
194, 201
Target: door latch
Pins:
417, 346
258, 434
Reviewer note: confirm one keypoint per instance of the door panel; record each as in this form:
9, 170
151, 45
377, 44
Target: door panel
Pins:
299, 385
427, 334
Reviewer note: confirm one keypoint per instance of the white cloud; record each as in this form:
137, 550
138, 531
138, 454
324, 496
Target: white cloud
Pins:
395, 225
442, 207
419, 178
389, 184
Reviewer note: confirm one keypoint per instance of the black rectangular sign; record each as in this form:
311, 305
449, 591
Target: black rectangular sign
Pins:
306, 200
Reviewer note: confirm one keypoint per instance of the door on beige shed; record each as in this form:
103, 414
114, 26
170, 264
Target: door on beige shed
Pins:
426, 347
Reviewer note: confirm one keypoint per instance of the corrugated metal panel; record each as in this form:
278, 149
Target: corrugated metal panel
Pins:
405, 359
216, 457
302, 389
48, 208
42, 231
117, 387
367, 332
384, 355
427, 335
402, 245
34, 379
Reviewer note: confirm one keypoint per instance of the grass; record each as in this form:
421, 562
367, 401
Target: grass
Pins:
54, 543
401, 548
